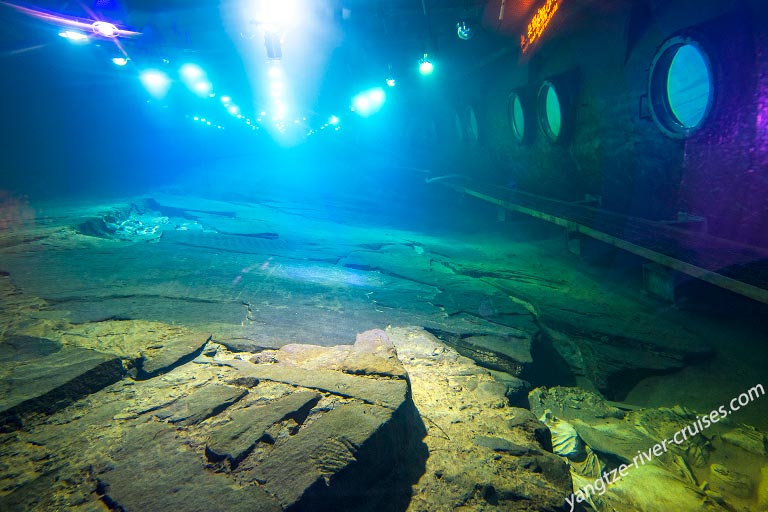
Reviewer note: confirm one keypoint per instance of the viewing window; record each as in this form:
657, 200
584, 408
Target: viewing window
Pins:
681, 88
516, 116
550, 111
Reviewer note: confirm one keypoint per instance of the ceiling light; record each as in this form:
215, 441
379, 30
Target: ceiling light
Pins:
73, 35
425, 65
203, 88
156, 82
191, 72
275, 72
120, 61
391, 82
104, 28
369, 102
464, 30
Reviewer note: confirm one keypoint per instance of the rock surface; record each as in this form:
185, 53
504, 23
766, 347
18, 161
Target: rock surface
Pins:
709, 471
484, 453
208, 433
40, 376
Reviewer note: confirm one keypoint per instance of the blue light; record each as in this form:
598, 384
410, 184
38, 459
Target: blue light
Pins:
425, 65
333, 120
369, 102
192, 72
203, 88
156, 82
74, 36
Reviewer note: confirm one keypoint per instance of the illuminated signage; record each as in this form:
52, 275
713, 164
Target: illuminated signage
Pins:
539, 23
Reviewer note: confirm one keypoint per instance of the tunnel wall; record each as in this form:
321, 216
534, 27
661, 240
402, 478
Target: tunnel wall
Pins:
611, 146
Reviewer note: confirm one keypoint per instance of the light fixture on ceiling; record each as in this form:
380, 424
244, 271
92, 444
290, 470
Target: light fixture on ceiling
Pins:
391, 82
464, 30
426, 67
120, 61
156, 82
74, 36
105, 28
368, 102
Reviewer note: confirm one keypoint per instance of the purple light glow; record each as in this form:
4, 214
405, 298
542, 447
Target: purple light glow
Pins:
99, 27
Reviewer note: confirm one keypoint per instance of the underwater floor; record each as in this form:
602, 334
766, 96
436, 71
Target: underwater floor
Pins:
169, 351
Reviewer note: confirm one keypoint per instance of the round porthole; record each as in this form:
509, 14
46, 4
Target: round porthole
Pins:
516, 116
472, 129
550, 111
681, 87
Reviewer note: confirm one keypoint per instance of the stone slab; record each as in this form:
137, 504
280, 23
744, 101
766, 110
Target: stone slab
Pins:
385, 392
202, 403
235, 439
152, 470
50, 383
168, 355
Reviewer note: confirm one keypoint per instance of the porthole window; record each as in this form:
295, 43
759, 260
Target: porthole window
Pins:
681, 87
516, 116
472, 128
550, 111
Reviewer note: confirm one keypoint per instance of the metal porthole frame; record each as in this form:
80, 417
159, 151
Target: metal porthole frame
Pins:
541, 111
526, 136
661, 110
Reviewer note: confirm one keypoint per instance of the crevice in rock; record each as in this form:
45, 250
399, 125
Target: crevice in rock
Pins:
483, 357
184, 213
64, 300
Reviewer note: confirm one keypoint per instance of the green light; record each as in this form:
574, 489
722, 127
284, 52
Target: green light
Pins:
554, 116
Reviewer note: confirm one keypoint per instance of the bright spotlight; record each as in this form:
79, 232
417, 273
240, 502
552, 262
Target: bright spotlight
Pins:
104, 28
377, 96
277, 15
425, 65
391, 82
203, 88
191, 72
369, 102
120, 61
156, 82
275, 72
233, 110
226, 100
74, 36
464, 30
333, 120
